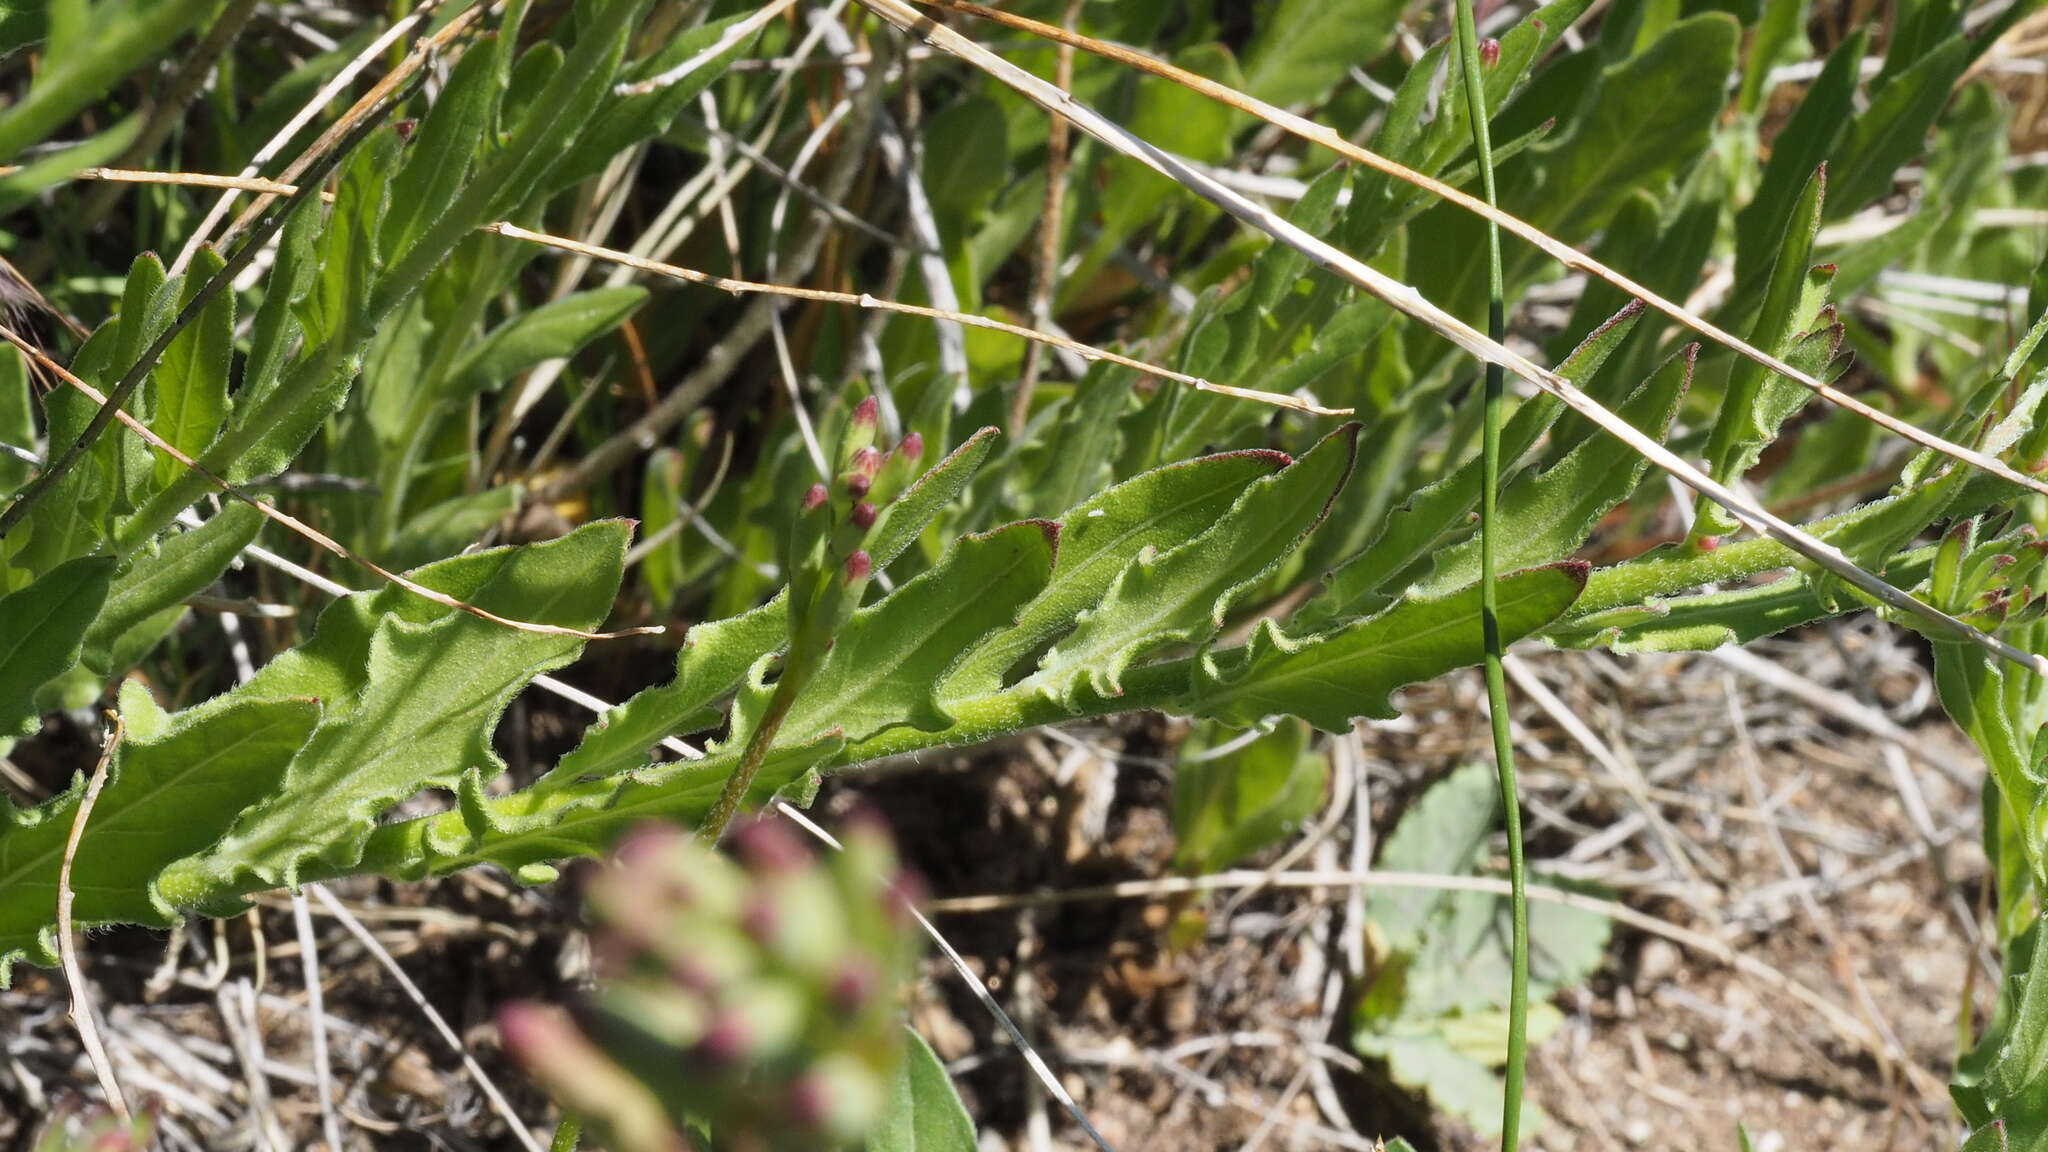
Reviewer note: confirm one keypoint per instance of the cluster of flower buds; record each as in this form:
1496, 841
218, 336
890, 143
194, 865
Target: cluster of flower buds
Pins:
753, 1000
829, 563
1989, 584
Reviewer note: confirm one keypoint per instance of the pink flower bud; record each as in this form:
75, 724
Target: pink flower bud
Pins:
859, 566
863, 515
1489, 52
1709, 543
857, 484
760, 922
769, 846
867, 462
815, 497
810, 1101
851, 987
726, 1041
912, 446
867, 412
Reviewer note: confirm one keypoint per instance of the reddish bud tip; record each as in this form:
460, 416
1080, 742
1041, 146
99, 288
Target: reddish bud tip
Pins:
810, 1101
759, 922
769, 845
815, 497
858, 566
857, 484
1489, 52
1709, 543
912, 446
725, 1042
852, 987
867, 412
405, 129
867, 462
863, 515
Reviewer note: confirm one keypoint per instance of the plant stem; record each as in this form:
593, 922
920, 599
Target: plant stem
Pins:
795, 672
1489, 620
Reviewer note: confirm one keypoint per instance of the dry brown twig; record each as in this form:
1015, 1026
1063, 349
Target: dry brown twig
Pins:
83, 1014
300, 527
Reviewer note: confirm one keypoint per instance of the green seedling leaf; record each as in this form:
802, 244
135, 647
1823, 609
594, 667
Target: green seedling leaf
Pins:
1236, 794
1099, 538
1443, 834
924, 1112
175, 785
277, 323
165, 576
1182, 596
41, 629
1330, 678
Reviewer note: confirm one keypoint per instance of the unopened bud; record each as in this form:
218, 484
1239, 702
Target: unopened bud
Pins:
851, 987
1709, 543
867, 413
867, 461
912, 447
726, 1041
859, 566
759, 921
857, 484
405, 130
1489, 52
864, 515
768, 845
815, 497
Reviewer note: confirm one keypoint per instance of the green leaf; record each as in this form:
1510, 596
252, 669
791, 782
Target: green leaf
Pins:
165, 576
1796, 151
432, 684
41, 629
661, 504
17, 419
66, 84
1425, 1062
1546, 516
924, 1113
55, 167
884, 667
452, 525
277, 324
1328, 679
1445, 506
1234, 797
1893, 129
1181, 596
1791, 303
1442, 834
714, 660
173, 788
1302, 48
557, 329
1654, 113
192, 378
623, 121
443, 148
2001, 1085
1099, 538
